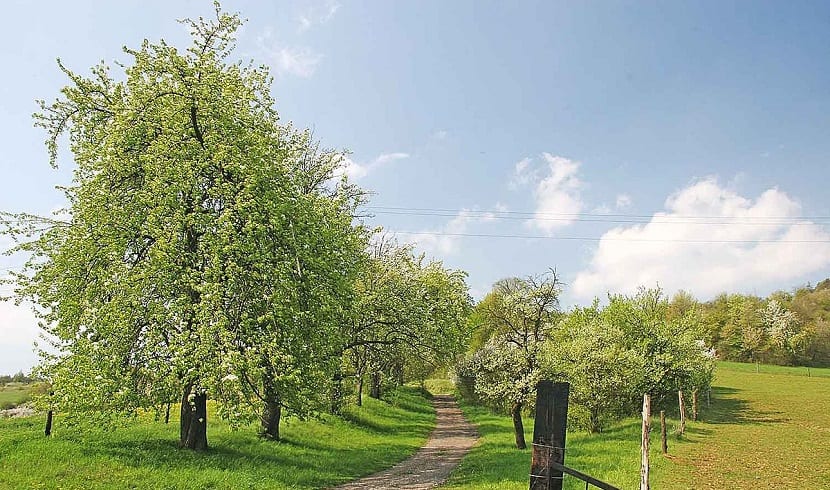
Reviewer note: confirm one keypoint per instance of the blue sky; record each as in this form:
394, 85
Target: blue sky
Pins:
703, 127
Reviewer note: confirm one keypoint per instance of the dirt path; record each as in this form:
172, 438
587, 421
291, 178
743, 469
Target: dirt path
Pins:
451, 439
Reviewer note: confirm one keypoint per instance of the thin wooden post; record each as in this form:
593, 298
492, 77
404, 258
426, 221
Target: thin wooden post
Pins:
682, 404
694, 405
549, 429
663, 442
644, 444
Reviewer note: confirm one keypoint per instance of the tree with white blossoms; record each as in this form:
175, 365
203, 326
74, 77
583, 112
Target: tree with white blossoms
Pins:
784, 330
518, 316
205, 246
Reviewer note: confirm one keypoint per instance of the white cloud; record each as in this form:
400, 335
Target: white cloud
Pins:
446, 240
440, 135
291, 60
522, 173
683, 247
355, 170
557, 195
301, 62
623, 201
317, 15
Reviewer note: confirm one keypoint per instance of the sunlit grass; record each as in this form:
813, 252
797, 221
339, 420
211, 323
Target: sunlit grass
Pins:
313, 454
766, 430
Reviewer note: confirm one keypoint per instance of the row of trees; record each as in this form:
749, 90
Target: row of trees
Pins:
784, 328
208, 250
611, 355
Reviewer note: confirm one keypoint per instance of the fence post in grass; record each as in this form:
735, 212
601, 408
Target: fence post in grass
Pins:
663, 442
694, 405
549, 435
682, 404
644, 444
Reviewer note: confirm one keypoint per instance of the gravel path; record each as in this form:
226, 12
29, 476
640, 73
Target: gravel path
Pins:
451, 439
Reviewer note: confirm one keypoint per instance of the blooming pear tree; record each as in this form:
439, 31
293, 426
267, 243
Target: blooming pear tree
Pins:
205, 247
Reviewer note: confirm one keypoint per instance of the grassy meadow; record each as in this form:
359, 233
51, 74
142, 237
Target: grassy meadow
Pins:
313, 454
13, 394
762, 430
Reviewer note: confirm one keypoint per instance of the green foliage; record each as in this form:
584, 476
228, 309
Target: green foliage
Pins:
205, 248
408, 317
785, 328
516, 319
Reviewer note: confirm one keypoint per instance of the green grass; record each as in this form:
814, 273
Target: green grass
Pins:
766, 430
313, 454
770, 369
13, 394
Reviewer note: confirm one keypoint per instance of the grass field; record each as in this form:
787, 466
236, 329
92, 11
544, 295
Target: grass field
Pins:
763, 430
14, 394
313, 454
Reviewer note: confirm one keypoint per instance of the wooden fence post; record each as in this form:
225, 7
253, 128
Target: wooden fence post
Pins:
682, 404
549, 435
663, 442
644, 445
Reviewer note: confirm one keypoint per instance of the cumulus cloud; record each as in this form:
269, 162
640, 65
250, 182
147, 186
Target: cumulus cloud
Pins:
355, 170
709, 239
556, 190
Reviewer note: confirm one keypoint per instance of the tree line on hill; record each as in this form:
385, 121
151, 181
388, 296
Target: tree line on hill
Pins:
211, 251
786, 328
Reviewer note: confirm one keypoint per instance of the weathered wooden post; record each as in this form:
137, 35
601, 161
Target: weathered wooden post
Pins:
664, 443
549, 435
644, 467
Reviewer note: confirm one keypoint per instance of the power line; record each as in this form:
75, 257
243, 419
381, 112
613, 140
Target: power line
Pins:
596, 239
448, 212
663, 220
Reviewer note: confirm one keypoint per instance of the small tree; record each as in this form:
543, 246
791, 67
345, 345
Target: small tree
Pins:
520, 314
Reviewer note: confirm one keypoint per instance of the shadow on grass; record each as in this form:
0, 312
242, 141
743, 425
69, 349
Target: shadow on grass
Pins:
729, 408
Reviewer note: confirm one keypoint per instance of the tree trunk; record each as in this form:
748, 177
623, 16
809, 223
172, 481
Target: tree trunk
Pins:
49, 414
374, 391
682, 404
694, 405
186, 414
518, 426
271, 420
197, 431
48, 430
644, 464
360, 391
167, 414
